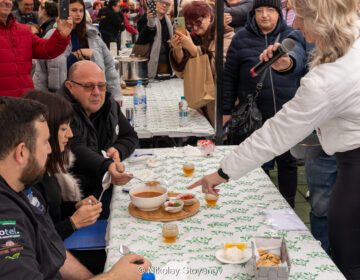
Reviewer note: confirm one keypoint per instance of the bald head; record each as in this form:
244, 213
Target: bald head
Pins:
81, 68
86, 83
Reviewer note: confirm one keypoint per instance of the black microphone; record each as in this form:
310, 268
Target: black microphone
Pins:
286, 46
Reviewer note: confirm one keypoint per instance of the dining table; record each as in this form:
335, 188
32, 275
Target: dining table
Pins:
238, 217
162, 115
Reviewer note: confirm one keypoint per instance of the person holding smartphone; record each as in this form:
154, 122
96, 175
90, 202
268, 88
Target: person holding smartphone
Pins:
86, 44
19, 46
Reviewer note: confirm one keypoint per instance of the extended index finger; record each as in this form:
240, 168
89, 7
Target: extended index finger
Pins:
196, 184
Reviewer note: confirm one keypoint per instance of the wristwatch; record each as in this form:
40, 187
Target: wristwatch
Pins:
224, 176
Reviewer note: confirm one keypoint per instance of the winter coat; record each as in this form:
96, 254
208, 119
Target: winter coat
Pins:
239, 13
110, 24
327, 100
150, 35
51, 74
244, 51
18, 46
106, 128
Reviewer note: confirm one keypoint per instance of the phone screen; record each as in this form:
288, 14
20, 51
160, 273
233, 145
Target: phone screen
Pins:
64, 9
180, 25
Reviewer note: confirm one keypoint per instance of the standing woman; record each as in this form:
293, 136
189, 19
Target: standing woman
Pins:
200, 20
85, 44
328, 100
59, 188
48, 11
111, 22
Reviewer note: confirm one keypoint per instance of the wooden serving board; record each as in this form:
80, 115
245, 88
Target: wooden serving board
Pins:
161, 215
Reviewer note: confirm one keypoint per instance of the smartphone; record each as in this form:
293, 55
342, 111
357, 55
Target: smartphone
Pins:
64, 9
180, 25
151, 5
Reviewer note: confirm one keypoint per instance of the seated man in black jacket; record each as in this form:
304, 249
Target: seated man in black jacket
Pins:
99, 127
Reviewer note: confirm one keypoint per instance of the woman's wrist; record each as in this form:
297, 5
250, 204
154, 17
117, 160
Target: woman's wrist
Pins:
73, 224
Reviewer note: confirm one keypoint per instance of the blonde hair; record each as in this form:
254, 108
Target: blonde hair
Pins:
334, 22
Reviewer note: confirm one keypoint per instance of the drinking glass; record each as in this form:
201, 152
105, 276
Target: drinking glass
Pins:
188, 169
211, 199
170, 233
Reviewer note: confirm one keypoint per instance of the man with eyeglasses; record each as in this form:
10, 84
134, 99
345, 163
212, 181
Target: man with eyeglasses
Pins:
264, 26
154, 33
102, 135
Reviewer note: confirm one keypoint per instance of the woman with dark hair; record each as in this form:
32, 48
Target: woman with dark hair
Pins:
58, 187
111, 22
85, 44
199, 19
48, 13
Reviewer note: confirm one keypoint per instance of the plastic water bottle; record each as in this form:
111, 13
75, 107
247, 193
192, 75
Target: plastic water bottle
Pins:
183, 112
140, 105
148, 276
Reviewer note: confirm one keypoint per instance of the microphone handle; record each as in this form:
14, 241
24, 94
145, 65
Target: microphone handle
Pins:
262, 65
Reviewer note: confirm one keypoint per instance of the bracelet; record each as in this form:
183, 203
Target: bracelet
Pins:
73, 224
289, 68
224, 176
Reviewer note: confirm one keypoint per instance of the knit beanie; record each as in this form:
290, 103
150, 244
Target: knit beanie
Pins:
268, 3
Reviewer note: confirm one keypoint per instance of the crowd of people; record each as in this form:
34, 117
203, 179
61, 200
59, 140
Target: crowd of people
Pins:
63, 132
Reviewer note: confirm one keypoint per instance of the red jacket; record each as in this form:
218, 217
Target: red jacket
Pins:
128, 27
18, 46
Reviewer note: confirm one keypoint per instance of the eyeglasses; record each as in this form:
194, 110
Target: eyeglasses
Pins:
268, 10
91, 86
196, 23
164, 3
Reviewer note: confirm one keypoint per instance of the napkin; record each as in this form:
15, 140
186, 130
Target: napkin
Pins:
284, 219
190, 151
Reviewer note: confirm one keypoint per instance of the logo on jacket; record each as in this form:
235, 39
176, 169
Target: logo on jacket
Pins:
117, 129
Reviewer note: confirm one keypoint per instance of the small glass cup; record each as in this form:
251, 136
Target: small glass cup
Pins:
188, 169
170, 233
211, 199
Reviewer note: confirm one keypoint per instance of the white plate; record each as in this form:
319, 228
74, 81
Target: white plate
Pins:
220, 256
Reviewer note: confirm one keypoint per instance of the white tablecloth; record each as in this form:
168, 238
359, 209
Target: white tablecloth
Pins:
163, 112
238, 217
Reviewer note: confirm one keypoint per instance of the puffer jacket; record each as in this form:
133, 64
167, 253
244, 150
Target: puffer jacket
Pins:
18, 46
244, 51
51, 74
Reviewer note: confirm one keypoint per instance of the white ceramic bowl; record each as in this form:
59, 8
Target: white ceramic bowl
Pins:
187, 202
148, 204
171, 209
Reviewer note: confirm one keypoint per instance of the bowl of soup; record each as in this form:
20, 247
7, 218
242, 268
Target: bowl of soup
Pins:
148, 198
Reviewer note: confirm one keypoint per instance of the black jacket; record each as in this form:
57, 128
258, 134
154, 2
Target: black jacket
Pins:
244, 51
146, 33
59, 210
106, 128
30, 247
110, 24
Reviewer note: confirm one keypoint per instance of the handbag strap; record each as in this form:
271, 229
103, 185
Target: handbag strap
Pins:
260, 84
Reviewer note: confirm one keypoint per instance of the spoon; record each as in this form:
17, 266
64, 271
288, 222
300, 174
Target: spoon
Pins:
149, 183
106, 182
124, 250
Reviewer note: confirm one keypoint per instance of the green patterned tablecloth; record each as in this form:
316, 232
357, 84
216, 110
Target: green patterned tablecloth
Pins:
163, 112
237, 217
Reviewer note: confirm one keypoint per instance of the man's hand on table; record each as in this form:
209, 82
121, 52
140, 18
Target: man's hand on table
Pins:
118, 175
208, 183
127, 269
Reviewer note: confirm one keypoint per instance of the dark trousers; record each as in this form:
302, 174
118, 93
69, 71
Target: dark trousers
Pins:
344, 215
287, 175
